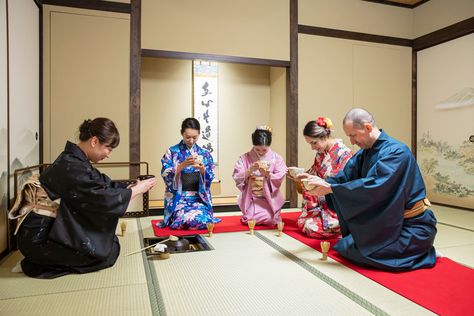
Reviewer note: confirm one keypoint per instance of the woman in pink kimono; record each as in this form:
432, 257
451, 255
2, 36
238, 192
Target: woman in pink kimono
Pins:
259, 174
317, 220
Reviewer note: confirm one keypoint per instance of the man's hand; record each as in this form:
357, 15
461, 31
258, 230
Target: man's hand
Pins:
321, 188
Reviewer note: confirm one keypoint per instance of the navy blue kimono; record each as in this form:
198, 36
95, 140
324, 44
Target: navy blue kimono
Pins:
82, 237
370, 195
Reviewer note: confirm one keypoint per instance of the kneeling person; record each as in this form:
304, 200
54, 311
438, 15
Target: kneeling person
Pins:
82, 236
259, 174
380, 200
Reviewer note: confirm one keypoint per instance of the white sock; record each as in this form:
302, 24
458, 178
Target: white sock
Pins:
17, 268
439, 254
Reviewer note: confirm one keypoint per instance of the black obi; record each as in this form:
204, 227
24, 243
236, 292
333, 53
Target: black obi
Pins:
190, 181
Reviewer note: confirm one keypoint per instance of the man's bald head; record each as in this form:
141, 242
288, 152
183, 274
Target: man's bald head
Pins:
359, 117
359, 126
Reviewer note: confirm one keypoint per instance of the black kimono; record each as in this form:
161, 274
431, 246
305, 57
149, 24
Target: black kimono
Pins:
82, 237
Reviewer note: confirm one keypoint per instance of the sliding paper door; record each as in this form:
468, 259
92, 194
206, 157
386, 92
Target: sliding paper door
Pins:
3, 129
445, 144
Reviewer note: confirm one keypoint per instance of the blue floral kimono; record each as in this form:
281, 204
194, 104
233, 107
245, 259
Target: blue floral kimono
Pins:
187, 209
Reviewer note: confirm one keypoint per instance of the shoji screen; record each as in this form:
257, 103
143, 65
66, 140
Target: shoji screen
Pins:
3, 127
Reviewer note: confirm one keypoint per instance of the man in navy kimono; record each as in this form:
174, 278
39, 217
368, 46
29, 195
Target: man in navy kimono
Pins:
380, 200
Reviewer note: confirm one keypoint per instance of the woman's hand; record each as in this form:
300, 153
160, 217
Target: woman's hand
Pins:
291, 178
302, 176
200, 167
143, 186
264, 172
253, 167
186, 163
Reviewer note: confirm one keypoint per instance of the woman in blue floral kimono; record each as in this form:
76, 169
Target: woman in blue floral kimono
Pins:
188, 171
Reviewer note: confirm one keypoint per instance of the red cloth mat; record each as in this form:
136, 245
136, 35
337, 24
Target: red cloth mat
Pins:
445, 289
228, 224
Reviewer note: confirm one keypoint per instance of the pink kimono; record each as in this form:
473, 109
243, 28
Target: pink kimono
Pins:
264, 209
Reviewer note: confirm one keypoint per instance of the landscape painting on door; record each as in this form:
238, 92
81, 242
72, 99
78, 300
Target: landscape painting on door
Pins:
445, 121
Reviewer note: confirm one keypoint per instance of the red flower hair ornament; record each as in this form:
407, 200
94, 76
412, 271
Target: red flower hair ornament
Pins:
324, 122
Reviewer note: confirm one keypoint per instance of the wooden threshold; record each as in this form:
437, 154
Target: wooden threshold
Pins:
216, 201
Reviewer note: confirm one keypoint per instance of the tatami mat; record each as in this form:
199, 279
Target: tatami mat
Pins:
244, 276
236, 265
121, 300
127, 271
449, 236
453, 216
375, 293
461, 254
455, 238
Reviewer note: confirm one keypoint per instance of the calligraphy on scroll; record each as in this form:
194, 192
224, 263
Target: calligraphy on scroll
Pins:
206, 104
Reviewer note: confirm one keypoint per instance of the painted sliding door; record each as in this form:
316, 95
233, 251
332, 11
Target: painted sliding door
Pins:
23, 46
3, 128
445, 143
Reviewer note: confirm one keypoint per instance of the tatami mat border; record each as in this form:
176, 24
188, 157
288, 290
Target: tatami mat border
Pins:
156, 299
323, 277
455, 226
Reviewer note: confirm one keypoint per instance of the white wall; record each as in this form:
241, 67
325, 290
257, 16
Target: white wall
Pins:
357, 16
244, 103
336, 75
86, 75
246, 28
437, 14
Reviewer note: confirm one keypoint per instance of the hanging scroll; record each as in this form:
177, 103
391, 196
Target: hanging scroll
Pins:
205, 104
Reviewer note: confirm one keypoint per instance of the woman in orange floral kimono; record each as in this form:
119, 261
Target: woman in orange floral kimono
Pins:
317, 220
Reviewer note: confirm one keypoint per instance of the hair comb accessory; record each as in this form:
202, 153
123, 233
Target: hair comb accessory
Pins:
324, 122
264, 128
328, 122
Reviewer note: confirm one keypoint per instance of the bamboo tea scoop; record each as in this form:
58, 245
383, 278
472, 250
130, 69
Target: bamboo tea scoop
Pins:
171, 237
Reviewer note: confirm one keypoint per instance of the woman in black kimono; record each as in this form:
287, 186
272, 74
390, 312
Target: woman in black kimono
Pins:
82, 237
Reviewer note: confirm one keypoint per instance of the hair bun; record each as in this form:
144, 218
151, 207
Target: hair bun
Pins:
324, 122
85, 129
264, 128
